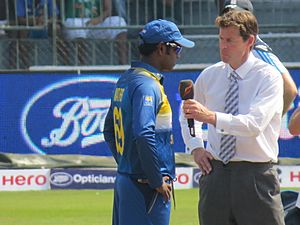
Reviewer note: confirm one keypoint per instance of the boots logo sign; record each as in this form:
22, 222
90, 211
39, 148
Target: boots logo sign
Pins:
61, 179
68, 117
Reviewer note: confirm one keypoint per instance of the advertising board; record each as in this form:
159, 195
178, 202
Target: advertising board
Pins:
63, 113
82, 179
23, 180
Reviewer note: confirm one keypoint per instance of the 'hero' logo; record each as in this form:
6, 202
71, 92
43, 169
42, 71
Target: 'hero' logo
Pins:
68, 116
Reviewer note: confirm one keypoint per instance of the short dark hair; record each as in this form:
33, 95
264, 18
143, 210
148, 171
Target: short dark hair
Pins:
147, 49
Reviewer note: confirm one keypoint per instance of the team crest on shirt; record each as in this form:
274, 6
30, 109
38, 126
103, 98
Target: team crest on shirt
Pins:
148, 100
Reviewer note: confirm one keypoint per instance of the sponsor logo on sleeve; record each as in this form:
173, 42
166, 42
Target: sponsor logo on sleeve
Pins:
148, 100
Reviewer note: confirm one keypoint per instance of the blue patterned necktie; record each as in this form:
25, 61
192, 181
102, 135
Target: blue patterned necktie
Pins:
227, 146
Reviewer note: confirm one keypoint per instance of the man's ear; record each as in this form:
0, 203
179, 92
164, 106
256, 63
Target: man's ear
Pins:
251, 41
161, 48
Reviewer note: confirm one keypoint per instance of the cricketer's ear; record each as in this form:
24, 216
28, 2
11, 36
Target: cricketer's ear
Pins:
161, 49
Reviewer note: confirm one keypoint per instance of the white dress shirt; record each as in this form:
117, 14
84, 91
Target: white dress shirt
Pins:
257, 125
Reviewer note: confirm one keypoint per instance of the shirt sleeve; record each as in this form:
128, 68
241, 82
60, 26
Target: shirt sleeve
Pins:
147, 99
191, 143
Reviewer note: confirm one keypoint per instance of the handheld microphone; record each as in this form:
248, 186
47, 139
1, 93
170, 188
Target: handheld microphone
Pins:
186, 90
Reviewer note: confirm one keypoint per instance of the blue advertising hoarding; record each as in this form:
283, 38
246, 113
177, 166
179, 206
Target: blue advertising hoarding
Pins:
63, 113
82, 179
54, 113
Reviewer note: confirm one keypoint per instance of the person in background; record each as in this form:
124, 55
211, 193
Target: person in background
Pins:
7, 18
262, 51
294, 123
293, 216
34, 13
3, 17
138, 130
240, 98
95, 14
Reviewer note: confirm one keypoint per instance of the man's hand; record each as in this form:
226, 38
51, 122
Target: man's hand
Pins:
165, 189
195, 110
203, 158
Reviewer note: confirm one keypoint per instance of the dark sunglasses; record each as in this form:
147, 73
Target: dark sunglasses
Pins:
178, 48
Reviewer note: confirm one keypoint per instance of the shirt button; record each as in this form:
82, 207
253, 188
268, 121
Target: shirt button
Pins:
222, 130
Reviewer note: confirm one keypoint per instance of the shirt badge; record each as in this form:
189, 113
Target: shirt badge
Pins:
148, 100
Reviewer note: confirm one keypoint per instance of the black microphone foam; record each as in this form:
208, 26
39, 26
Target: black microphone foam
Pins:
186, 90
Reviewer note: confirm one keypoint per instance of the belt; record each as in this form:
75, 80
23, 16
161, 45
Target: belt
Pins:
167, 179
245, 164
146, 181
143, 181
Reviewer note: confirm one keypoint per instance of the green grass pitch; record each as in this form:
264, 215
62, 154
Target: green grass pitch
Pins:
79, 207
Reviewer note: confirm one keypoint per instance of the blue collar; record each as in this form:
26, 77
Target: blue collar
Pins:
153, 70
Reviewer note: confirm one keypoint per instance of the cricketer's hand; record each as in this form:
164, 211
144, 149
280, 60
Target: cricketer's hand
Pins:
166, 190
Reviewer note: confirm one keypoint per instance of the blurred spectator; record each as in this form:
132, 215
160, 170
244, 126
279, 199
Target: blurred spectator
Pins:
120, 8
293, 216
294, 124
3, 16
35, 13
3, 21
7, 17
38, 14
97, 15
7, 13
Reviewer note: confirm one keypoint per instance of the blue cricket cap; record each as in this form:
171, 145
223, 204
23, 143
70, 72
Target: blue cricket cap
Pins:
160, 30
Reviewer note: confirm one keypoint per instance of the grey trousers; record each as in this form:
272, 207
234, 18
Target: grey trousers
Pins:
293, 217
240, 193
